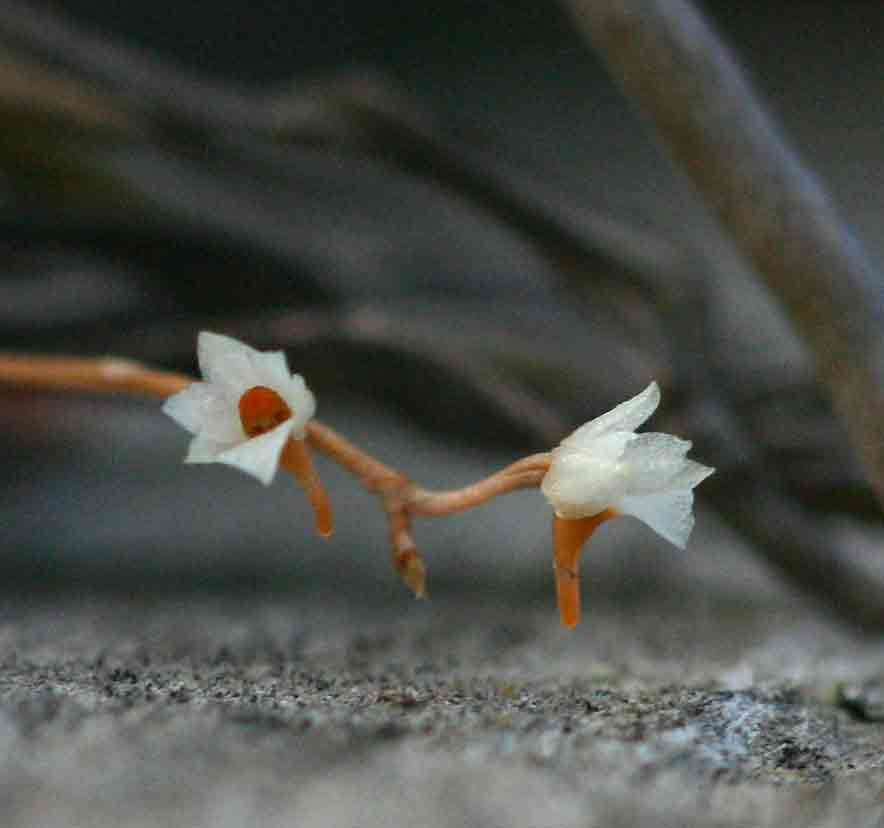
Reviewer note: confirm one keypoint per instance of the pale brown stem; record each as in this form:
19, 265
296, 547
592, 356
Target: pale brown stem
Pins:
406, 559
101, 374
395, 490
401, 498
523, 474
373, 473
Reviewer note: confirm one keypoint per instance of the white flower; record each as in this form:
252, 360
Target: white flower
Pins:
604, 464
245, 411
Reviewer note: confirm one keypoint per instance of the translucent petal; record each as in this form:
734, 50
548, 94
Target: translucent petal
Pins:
581, 483
188, 407
654, 460
226, 362
691, 474
205, 450
259, 456
627, 416
610, 446
669, 514
205, 408
271, 368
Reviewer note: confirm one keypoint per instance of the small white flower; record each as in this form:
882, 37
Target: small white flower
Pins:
245, 411
604, 464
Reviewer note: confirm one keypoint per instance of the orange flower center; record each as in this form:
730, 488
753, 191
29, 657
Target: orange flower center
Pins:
261, 409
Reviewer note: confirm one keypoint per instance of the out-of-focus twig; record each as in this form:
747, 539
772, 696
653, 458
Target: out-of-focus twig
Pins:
674, 66
142, 83
361, 113
28, 86
369, 115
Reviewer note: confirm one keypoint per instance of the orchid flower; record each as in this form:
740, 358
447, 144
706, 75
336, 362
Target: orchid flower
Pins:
603, 470
251, 413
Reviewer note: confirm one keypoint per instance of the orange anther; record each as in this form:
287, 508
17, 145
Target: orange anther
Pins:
261, 409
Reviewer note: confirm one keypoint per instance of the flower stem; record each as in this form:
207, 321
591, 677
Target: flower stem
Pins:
400, 497
523, 474
372, 472
101, 374
569, 537
296, 459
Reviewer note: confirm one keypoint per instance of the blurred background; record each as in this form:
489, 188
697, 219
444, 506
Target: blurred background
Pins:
464, 238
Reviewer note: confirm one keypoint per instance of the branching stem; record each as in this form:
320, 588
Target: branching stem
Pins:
400, 497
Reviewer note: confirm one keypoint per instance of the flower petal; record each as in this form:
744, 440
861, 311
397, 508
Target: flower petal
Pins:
582, 483
605, 465
271, 367
627, 416
691, 474
259, 456
226, 362
204, 408
667, 513
205, 450
188, 407
653, 460
301, 401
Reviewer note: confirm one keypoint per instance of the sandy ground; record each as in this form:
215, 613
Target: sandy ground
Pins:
317, 708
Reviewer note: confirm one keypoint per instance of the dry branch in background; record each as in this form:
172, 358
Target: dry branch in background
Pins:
674, 66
